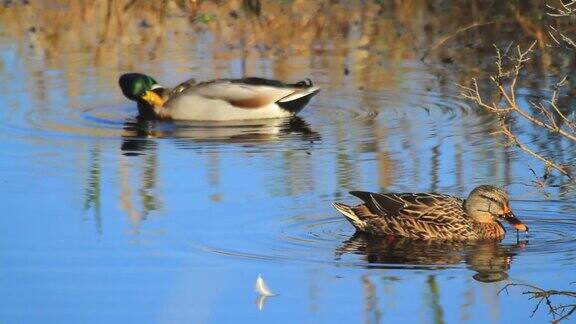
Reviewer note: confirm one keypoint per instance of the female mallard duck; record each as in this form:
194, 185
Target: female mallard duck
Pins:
218, 100
432, 215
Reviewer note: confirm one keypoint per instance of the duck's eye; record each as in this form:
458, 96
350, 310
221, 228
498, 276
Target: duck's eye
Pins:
507, 214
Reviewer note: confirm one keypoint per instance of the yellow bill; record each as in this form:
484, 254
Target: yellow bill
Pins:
152, 98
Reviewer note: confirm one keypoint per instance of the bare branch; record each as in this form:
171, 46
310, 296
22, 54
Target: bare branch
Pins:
548, 162
564, 40
545, 114
559, 312
565, 10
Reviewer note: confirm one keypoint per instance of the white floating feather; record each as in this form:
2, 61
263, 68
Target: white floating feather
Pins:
260, 302
262, 289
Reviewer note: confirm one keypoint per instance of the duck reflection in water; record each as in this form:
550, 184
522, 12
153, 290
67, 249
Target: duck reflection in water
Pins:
140, 134
489, 259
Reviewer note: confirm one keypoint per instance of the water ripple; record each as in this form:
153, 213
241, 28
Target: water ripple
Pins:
313, 239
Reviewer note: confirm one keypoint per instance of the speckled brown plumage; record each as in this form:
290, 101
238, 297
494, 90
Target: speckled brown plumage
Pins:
431, 215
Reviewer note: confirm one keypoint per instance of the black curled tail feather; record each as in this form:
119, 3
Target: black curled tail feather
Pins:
306, 83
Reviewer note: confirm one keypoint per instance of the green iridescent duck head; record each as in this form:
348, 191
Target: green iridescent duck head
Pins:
135, 85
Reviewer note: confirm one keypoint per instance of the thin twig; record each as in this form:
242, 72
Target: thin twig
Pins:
566, 9
548, 162
547, 115
558, 313
448, 37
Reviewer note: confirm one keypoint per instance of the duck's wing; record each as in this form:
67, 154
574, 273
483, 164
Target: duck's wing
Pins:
415, 215
252, 93
272, 83
426, 207
183, 87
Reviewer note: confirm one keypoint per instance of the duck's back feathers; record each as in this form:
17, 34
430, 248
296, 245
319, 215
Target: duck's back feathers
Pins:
183, 87
307, 83
406, 204
413, 215
255, 93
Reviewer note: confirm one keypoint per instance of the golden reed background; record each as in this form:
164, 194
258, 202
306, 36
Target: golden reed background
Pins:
117, 29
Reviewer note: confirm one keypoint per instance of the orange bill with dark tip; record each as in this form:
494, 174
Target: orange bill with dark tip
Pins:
511, 218
521, 227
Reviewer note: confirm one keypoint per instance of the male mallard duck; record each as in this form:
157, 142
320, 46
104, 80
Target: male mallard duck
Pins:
218, 100
432, 215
